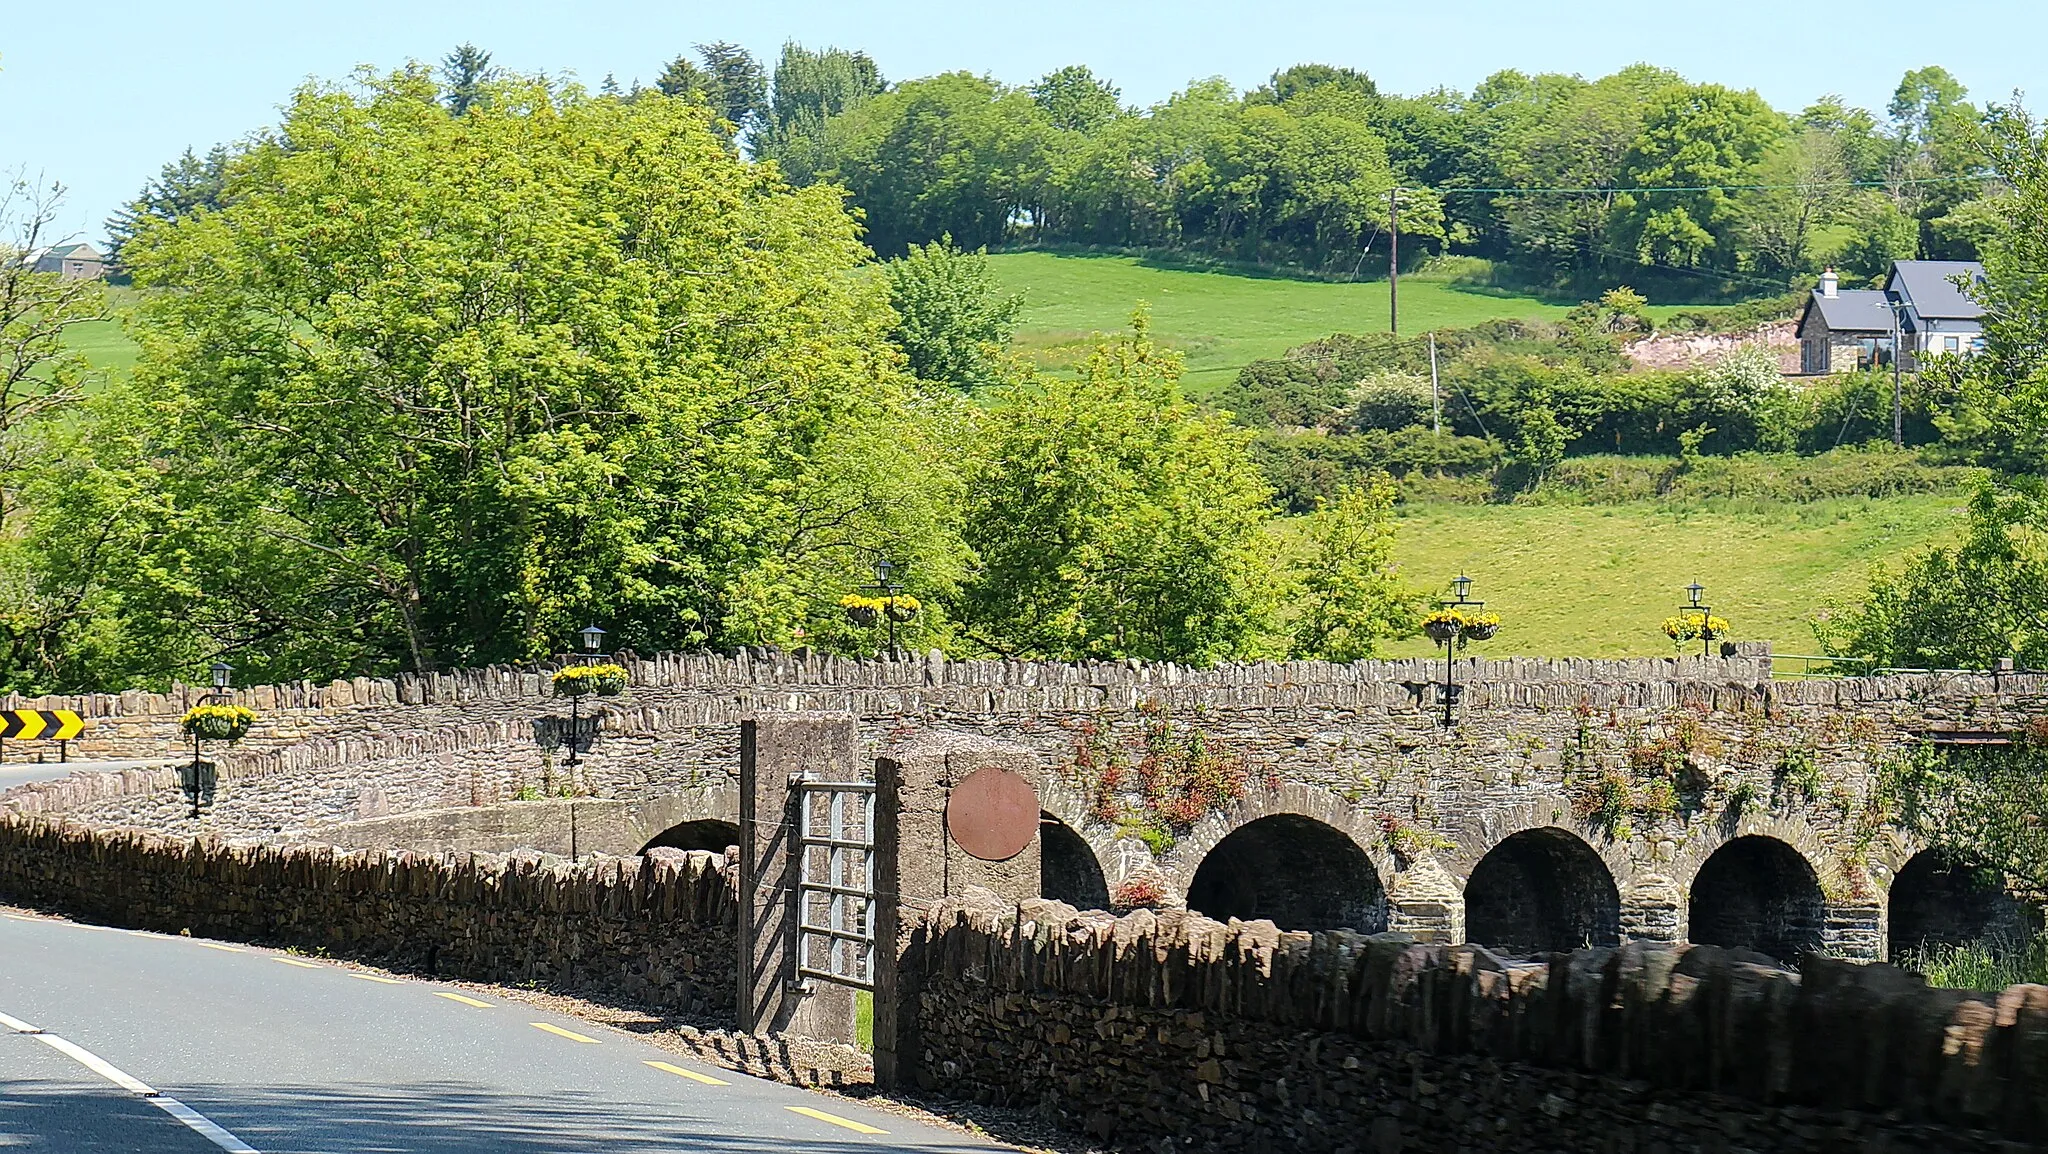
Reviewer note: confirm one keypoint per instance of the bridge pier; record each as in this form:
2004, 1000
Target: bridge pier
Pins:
1426, 901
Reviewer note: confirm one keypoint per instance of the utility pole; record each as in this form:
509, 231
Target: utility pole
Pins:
1436, 400
1898, 385
1394, 260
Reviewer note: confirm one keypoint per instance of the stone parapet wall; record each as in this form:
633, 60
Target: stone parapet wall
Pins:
1175, 1030
656, 931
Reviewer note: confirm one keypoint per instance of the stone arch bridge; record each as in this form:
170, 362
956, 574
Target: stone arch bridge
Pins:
1573, 802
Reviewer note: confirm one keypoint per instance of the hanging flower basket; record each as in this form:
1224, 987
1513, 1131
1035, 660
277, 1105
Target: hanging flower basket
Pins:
218, 722
868, 610
1480, 630
588, 680
1694, 627
1442, 628
1455, 625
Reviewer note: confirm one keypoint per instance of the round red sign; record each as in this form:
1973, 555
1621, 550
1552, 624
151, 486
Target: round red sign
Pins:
993, 814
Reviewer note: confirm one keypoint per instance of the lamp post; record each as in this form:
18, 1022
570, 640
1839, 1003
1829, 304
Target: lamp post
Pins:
223, 681
1695, 592
888, 591
1460, 585
591, 638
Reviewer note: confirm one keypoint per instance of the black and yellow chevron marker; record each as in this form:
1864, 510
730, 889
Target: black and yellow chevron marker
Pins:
40, 724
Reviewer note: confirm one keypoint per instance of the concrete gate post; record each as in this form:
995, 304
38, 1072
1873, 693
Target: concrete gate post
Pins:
773, 749
918, 861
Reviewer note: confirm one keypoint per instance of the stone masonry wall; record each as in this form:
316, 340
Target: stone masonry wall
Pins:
658, 930
1356, 747
1176, 1032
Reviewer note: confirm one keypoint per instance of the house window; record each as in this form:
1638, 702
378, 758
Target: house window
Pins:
1951, 344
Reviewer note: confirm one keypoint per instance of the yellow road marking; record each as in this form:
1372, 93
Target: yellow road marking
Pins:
463, 1000
221, 948
692, 1075
569, 1034
300, 964
836, 1120
375, 978
19, 918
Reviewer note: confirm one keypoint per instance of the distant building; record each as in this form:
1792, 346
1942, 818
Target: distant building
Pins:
1920, 310
73, 262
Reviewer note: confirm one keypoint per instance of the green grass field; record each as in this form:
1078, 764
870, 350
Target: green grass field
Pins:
1596, 580
1225, 319
1222, 320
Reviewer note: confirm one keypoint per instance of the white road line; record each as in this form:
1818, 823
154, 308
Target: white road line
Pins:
198, 1123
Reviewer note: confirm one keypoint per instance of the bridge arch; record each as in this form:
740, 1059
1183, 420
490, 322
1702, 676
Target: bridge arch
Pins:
1319, 805
1295, 871
1067, 867
1936, 900
709, 833
1757, 892
1542, 890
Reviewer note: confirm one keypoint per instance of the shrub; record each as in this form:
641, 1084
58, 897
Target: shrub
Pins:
1390, 401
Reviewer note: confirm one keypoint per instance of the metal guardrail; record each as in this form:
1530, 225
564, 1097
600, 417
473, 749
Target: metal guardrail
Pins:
1865, 667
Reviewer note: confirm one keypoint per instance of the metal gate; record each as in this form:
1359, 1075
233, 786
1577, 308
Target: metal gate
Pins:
835, 893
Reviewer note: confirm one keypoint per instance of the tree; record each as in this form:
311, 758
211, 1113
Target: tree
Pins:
1342, 596
1288, 83
496, 398
1571, 136
810, 89
729, 81
1963, 606
1696, 140
43, 378
954, 320
1808, 176
737, 85
42, 373
464, 72
1075, 101
181, 188
1112, 518
2002, 414
953, 154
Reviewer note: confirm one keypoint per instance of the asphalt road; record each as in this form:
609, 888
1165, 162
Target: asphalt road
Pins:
15, 773
286, 1055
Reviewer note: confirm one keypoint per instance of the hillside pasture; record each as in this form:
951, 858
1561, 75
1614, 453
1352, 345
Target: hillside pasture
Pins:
1596, 580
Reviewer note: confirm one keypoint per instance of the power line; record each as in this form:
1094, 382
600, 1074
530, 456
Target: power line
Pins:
1534, 190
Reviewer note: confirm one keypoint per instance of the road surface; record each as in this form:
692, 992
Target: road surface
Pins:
168, 1045
15, 773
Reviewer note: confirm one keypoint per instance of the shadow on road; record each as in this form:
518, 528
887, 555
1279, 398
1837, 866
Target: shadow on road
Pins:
424, 1118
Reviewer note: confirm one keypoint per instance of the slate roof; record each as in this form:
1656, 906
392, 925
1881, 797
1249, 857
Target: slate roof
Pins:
1854, 311
1925, 284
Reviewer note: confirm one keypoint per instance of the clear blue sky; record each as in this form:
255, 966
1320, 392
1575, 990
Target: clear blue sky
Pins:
100, 95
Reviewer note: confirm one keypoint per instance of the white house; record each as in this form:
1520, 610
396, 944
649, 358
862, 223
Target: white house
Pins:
1921, 309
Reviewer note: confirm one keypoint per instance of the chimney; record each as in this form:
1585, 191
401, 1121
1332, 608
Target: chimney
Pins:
1830, 284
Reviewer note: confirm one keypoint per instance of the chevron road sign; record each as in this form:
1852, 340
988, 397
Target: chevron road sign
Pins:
40, 724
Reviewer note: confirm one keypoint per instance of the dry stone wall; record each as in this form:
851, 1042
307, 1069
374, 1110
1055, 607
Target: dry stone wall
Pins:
1177, 1032
655, 930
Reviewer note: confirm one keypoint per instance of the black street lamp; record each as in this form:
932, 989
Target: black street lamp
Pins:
1460, 585
592, 640
1695, 592
223, 683
888, 592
